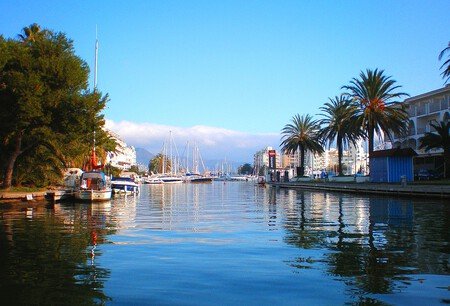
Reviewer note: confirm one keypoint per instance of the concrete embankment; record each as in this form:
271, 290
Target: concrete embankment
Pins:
411, 190
13, 196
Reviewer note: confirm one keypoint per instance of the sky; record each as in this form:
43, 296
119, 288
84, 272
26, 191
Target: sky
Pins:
230, 74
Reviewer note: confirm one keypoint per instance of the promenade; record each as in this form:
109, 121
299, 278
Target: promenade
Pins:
411, 190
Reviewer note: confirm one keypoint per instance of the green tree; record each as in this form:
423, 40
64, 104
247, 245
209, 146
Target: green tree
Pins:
46, 103
440, 139
446, 65
245, 169
157, 163
378, 112
301, 135
339, 124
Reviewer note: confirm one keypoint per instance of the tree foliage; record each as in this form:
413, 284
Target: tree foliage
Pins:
439, 139
378, 112
157, 163
48, 113
446, 64
245, 169
340, 124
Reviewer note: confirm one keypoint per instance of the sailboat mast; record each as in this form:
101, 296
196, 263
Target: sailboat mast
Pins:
95, 59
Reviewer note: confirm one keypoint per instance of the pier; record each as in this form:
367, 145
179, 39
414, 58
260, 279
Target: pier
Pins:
411, 190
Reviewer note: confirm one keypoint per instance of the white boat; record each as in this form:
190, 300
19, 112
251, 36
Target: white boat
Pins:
93, 187
124, 185
168, 179
152, 180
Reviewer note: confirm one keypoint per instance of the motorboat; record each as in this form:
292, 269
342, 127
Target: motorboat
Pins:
168, 179
152, 180
124, 185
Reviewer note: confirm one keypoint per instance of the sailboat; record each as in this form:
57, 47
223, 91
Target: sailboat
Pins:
195, 176
172, 177
93, 185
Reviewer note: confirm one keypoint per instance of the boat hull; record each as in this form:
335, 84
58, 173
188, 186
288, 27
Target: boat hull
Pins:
93, 195
119, 187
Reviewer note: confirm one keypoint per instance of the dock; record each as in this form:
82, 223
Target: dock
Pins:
409, 190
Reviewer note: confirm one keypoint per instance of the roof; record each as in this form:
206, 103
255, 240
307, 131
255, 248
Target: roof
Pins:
394, 152
429, 94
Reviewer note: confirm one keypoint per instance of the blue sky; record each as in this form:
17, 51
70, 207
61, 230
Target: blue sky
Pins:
237, 70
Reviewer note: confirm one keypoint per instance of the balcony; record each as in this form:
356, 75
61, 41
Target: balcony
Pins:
421, 110
435, 106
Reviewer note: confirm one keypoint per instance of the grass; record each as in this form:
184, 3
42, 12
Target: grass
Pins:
24, 189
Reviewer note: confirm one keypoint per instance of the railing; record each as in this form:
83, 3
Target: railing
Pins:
421, 110
435, 106
444, 104
412, 111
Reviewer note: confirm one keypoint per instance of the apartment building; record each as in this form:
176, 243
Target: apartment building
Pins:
424, 109
124, 157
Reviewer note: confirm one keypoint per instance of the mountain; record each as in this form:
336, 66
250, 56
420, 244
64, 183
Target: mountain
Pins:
143, 156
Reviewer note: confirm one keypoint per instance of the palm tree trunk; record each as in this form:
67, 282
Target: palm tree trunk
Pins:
371, 139
302, 161
339, 147
371, 136
11, 160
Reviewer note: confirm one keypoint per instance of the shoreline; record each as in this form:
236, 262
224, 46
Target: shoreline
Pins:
21, 196
430, 191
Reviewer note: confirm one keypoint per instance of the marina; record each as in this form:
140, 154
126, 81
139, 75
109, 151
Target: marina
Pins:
232, 243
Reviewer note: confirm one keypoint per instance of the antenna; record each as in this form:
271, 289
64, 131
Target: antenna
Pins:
96, 58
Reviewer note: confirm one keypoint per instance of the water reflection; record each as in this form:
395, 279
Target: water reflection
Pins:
233, 242
375, 245
46, 259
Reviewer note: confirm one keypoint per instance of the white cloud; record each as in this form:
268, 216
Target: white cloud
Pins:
214, 142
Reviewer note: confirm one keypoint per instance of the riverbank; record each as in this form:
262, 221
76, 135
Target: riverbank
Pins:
409, 190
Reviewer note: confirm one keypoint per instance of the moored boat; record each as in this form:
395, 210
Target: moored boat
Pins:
93, 187
167, 179
124, 185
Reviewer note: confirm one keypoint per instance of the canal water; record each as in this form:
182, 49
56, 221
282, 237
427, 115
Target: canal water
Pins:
228, 243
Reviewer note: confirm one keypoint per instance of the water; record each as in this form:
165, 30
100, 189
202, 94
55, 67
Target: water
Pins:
227, 244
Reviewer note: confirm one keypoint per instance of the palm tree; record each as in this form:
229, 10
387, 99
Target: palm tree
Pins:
340, 124
302, 134
374, 93
440, 139
31, 33
446, 64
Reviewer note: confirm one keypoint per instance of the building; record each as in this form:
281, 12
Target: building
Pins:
354, 160
124, 157
261, 160
423, 109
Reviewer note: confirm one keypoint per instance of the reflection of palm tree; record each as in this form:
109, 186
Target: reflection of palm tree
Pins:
301, 135
299, 232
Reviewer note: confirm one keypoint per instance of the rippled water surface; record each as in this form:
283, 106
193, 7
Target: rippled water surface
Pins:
227, 244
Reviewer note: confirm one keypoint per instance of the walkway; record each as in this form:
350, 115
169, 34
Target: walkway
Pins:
434, 191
